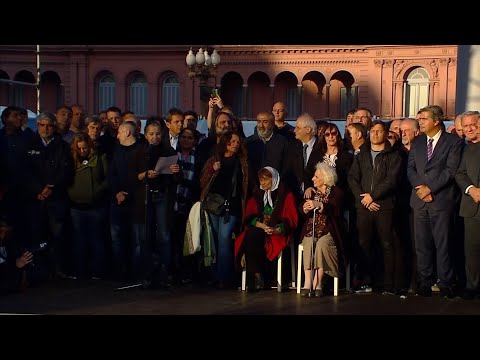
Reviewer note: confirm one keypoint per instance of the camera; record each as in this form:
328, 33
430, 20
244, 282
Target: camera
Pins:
39, 248
36, 251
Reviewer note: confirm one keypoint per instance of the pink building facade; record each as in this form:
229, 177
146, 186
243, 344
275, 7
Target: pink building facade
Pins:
325, 81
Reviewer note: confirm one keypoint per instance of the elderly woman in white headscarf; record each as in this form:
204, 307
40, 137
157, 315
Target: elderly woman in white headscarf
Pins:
269, 221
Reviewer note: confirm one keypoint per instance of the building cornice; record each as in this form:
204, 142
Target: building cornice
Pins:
294, 62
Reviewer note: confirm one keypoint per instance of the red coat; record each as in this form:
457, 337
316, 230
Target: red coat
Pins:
285, 212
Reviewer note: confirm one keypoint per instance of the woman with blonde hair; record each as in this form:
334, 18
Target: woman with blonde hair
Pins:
89, 196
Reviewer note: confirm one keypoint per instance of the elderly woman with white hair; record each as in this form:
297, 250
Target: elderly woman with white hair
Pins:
328, 255
270, 218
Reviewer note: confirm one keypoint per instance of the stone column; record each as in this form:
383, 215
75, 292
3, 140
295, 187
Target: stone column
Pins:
300, 98
327, 100
355, 94
272, 92
398, 99
245, 100
431, 92
468, 78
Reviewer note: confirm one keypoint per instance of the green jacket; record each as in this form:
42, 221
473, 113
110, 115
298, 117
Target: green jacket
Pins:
90, 184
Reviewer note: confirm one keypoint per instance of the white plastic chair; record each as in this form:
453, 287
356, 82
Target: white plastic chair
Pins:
335, 279
279, 270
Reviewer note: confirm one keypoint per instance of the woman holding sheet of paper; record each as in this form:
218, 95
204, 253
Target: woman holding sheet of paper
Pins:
161, 191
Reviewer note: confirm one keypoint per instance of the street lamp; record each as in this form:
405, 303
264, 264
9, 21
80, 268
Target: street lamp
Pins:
202, 66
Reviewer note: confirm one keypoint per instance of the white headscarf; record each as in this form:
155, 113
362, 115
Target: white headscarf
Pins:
267, 197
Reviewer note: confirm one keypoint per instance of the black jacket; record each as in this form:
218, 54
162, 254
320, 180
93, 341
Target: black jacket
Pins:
380, 179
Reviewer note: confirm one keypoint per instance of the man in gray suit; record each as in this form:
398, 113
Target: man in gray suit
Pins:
468, 179
432, 164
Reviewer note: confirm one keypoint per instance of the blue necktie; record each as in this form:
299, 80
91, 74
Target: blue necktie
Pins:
429, 149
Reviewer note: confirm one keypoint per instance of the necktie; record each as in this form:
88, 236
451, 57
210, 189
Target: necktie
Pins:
429, 149
305, 147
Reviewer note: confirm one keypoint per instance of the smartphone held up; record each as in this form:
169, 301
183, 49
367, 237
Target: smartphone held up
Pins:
214, 93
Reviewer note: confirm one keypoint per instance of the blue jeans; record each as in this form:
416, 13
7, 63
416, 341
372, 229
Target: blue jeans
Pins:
87, 227
157, 220
223, 269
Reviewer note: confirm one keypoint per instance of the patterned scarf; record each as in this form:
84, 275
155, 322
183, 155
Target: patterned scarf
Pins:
184, 199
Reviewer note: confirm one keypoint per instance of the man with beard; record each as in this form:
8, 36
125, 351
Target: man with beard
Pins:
267, 148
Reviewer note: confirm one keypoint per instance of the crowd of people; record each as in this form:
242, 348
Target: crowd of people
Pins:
94, 197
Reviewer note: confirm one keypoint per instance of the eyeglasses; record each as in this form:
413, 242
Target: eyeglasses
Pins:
333, 133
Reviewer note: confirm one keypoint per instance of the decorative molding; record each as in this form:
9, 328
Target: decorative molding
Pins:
444, 61
294, 62
388, 63
378, 63
434, 66
290, 51
399, 65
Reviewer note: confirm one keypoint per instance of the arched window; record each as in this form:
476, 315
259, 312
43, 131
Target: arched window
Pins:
22, 94
292, 103
106, 92
170, 93
139, 95
416, 91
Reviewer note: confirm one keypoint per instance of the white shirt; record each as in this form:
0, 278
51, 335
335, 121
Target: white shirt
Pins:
173, 141
435, 139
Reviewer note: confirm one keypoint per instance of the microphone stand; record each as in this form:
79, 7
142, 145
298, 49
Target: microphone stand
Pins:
148, 248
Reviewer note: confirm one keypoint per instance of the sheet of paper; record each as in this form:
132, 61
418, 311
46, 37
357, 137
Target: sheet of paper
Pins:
164, 162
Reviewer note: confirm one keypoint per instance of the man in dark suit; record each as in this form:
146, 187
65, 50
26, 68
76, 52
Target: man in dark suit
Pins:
303, 154
432, 164
468, 179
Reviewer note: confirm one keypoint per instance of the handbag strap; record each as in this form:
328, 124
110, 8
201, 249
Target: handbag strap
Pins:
234, 180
